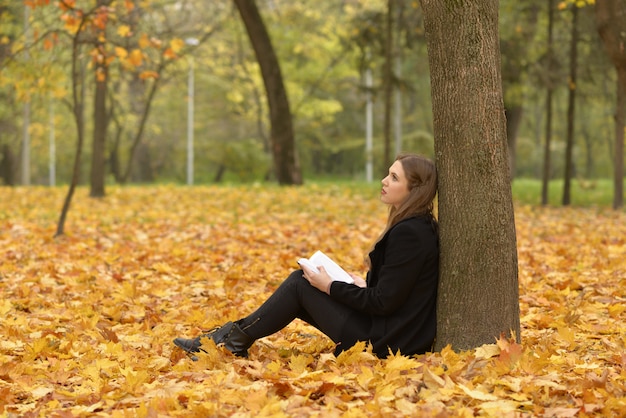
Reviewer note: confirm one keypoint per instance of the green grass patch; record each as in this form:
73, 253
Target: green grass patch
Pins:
585, 193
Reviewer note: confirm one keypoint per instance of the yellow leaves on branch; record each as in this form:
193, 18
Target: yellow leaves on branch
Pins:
135, 58
174, 48
88, 319
72, 22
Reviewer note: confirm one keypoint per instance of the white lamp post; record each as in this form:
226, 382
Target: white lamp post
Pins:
52, 146
190, 100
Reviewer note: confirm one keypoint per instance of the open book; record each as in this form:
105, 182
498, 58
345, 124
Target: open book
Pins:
333, 269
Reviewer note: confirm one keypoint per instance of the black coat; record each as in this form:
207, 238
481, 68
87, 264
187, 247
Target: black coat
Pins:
397, 309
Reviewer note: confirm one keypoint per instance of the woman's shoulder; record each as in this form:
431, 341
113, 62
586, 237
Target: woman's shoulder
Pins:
414, 223
416, 226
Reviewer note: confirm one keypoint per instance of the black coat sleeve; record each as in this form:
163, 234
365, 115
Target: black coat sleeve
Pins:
397, 262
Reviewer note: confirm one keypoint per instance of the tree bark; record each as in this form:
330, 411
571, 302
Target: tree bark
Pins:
78, 100
388, 84
8, 127
98, 158
513, 114
571, 110
545, 183
7, 166
286, 165
611, 23
143, 119
478, 284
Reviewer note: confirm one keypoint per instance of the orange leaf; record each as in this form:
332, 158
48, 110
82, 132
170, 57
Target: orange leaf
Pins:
169, 53
510, 351
144, 75
136, 57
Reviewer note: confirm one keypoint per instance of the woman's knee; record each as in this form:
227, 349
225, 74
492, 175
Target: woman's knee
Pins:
296, 275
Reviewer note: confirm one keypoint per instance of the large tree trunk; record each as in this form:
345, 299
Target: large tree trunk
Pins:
571, 110
286, 165
478, 288
611, 22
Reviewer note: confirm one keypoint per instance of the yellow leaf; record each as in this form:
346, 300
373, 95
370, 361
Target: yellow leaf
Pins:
124, 31
5, 307
134, 378
407, 408
431, 380
365, 377
567, 334
176, 45
400, 362
478, 394
354, 354
159, 363
274, 366
162, 268
121, 52
41, 391
616, 310
298, 363
500, 407
487, 351
144, 41
39, 345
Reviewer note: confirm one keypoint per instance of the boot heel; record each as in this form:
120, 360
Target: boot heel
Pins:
230, 336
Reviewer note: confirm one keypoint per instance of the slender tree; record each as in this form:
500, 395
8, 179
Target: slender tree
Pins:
78, 105
611, 23
286, 163
478, 288
101, 76
545, 183
7, 123
515, 47
571, 108
388, 82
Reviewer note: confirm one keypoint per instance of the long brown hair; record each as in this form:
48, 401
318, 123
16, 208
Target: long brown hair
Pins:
421, 175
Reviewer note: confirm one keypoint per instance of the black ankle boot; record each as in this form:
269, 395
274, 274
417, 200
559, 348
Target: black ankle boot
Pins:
228, 335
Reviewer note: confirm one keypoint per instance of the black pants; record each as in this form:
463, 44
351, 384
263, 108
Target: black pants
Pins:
296, 298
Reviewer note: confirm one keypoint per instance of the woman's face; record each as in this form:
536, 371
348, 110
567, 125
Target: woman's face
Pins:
395, 186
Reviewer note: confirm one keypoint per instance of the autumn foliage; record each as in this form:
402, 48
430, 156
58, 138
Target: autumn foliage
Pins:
87, 319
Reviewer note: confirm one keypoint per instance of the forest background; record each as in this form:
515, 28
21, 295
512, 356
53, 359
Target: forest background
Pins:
184, 72
89, 316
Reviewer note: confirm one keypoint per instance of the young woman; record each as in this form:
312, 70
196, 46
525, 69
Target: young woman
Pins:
394, 308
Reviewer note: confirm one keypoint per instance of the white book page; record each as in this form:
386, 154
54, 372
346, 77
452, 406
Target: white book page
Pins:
333, 269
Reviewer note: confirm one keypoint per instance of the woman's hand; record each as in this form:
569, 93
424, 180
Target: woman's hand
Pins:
358, 281
319, 280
